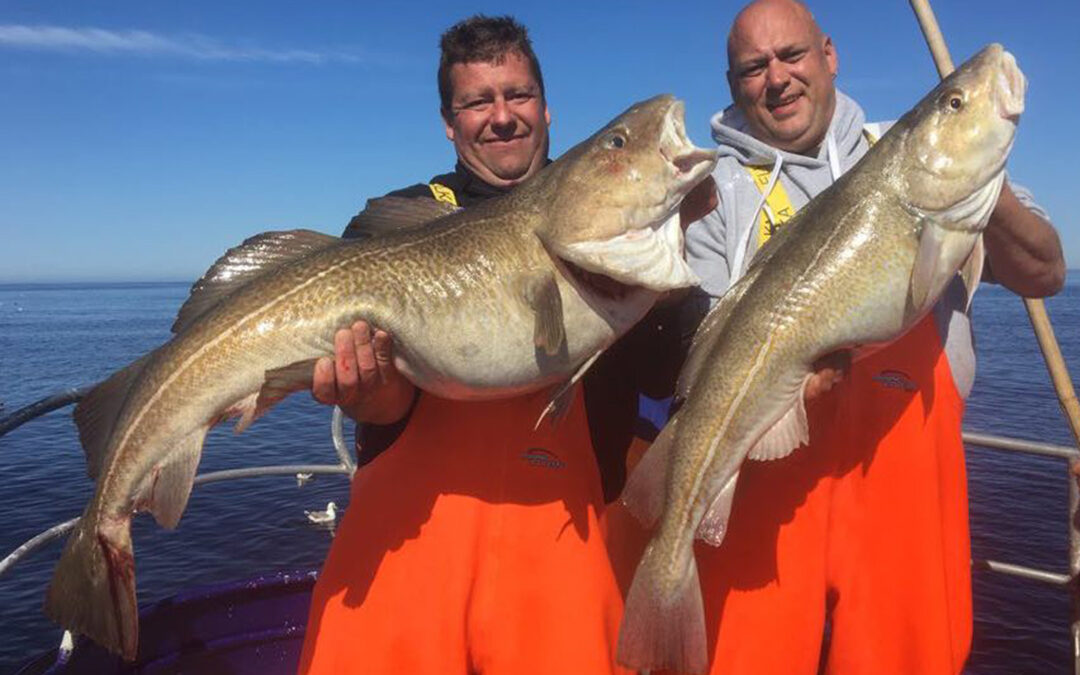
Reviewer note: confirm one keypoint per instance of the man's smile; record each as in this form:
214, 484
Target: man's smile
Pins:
783, 107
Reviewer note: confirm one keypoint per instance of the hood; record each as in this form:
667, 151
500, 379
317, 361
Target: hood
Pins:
730, 130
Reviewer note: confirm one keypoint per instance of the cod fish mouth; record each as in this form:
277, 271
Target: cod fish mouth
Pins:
689, 161
1011, 87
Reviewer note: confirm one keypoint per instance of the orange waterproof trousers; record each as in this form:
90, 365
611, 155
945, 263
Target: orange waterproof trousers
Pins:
868, 524
471, 546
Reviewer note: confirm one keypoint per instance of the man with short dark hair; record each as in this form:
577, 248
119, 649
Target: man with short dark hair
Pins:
472, 543
866, 527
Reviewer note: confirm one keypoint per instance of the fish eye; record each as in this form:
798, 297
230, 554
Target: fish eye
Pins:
615, 140
955, 100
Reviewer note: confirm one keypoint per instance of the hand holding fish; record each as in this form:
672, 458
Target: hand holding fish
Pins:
361, 377
829, 370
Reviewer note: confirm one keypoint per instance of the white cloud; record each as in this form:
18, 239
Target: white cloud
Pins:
144, 43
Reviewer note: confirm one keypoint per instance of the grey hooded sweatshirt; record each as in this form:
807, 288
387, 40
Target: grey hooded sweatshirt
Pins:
720, 245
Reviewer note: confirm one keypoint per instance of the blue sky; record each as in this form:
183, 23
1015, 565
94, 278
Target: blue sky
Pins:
139, 140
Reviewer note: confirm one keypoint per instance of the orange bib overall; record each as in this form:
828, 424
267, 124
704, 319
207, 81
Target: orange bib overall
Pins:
869, 523
471, 546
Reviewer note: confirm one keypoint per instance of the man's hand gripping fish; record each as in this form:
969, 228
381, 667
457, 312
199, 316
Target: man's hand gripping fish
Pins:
855, 269
508, 297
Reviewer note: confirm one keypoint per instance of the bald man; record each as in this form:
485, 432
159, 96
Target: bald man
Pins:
862, 536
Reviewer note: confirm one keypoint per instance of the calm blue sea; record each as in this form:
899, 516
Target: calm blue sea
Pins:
57, 336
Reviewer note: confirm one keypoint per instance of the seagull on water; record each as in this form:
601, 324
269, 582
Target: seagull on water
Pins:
321, 517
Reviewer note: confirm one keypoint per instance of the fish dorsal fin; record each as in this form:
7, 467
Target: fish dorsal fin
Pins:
541, 293
645, 491
392, 214
165, 490
789, 432
245, 262
714, 524
96, 414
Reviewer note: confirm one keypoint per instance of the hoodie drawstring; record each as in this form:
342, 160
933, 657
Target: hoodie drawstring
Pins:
834, 155
744, 240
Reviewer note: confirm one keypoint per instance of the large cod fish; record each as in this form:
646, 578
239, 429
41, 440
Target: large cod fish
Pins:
507, 297
854, 270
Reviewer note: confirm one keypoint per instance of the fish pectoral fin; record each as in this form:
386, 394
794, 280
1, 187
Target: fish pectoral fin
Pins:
392, 214
277, 384
645, 491
788, 433
95, 415
972, 270
165, 490
939, 256
561, 398
245, 262
713, 525
541, 292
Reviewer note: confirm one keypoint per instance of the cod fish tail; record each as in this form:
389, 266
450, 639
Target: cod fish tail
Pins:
661, 630
92, 592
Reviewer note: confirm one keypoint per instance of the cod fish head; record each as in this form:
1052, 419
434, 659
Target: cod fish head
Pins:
959, 137
617, 211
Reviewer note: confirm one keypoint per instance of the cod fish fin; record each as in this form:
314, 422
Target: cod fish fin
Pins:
927, 260
713, 525
96, 414
646, 489
972, 270
392, 214
92, 591
541, 293
165, 490
561, 398
941, 253
661, 633
277, 384
245, 262
788, 433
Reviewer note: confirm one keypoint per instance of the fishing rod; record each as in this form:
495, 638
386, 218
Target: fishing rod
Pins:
1036, 309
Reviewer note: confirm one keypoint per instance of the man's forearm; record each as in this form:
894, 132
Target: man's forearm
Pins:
1023, 250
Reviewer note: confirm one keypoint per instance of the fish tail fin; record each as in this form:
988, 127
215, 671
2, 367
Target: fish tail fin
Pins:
664, 630
92, 592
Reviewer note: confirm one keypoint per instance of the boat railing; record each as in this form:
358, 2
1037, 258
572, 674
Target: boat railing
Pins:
347, 465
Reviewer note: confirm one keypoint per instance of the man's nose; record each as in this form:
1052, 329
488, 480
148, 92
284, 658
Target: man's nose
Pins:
502, 119
776, 74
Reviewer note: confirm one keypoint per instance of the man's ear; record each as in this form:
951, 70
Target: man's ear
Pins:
730, 83
547, 115
831, 57
448, 123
